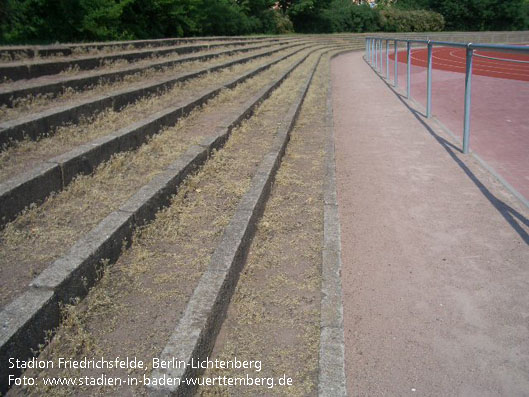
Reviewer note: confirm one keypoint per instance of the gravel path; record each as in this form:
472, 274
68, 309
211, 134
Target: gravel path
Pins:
434, 250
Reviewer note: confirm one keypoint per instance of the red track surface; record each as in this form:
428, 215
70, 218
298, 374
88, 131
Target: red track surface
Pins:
453, 60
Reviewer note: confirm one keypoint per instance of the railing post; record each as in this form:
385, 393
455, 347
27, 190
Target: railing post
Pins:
372, 56
408, 70
379, 54
380, 50
376, 54
387, 59
396, 63
429, 82
468, 87
365, 51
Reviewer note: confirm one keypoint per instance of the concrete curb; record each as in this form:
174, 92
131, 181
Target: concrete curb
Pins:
55, 87
331, 377
45, 122
24, 70
172, 41
25, 322
55, 174
44, 51
195, 334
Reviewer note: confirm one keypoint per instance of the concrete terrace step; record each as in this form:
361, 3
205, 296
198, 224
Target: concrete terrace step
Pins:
43, 123
56, 173
58, 84
67, 49
28, 70
116, 227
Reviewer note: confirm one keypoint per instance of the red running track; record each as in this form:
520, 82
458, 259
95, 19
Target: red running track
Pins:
505, 65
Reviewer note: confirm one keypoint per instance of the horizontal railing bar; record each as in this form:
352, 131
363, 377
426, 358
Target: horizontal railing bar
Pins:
416, 41
497, 47
450, 44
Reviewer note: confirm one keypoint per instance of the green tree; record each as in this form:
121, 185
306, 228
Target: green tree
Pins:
36, 20
223, 17
160, 18
411, 4
307, 15
345, 16
475, 14
101, 19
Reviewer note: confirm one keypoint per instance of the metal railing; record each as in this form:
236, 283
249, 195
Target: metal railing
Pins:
373, 55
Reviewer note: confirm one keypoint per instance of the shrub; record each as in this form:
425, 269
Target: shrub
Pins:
395, 20
305, 17
345, 16
223, 17
281, 23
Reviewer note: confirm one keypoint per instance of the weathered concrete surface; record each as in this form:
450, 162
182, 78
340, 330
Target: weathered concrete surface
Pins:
24, 319
195, 334
55, 84
73, 274
331, 377
28, 70
45, 122
58, 172
435, 254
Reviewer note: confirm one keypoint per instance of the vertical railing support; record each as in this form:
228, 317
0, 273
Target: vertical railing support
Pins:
365, 51
380, 50
387, 59
408, 70
468, 89
429, 82
396, 63
376, 54
372, 52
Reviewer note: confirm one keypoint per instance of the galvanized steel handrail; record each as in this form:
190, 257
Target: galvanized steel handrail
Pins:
373, 55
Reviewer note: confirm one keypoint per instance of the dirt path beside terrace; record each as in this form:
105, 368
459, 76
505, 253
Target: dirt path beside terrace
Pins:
434, 251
